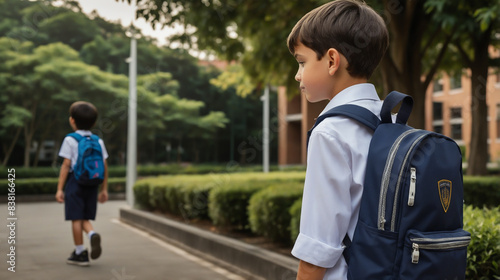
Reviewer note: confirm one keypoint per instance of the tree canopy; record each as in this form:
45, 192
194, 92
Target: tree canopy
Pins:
44, 71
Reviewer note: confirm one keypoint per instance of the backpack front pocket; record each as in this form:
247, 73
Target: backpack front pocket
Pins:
435, 255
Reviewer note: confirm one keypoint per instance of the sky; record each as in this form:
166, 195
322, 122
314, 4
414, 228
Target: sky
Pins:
120, 10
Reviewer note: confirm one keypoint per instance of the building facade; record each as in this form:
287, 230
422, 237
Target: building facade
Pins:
448, 110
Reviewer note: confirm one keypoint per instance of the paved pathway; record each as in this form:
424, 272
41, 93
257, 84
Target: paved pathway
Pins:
43, 242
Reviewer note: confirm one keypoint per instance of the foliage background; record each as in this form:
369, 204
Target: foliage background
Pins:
55, 55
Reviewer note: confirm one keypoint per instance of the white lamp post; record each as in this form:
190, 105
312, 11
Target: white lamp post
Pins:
265, 130
132, 117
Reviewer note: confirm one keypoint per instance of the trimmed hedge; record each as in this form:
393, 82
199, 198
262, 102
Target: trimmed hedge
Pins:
482, 191
228, 204
49, 186
295, 211
190, 196
483, 253
269, 210
145, 170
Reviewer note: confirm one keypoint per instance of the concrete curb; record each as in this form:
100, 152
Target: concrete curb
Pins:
246, 260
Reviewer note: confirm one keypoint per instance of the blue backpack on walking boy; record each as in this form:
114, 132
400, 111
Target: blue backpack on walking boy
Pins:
89, 167
410, 223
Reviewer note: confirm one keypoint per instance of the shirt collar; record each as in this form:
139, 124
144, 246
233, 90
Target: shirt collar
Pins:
364, 91
84, 132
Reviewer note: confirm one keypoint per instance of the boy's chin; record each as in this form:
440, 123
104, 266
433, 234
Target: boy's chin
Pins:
313, 99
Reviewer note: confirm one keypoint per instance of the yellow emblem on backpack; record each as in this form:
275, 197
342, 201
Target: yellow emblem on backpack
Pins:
444, 187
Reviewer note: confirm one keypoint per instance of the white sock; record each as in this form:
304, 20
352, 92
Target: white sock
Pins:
79, 249
91, 233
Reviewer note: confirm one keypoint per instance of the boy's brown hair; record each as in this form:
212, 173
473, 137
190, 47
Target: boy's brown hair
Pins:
349, 26
84, 114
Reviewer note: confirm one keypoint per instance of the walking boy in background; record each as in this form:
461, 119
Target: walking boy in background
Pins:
81, 200
338, 46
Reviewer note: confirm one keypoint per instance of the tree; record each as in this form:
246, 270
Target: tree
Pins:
416, 50
44, 83
182, 120
254, 32
12, 116
477, 24
41, 79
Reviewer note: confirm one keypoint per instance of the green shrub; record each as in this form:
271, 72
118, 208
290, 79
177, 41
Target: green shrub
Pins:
141, 194
120, 171
49, 186
156, 197
195, 201
295, 219
188, 195
173, 198
228, 204
479, 191
269, 210
483, 253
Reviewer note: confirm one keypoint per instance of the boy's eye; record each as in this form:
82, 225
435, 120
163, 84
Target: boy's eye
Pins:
301, 63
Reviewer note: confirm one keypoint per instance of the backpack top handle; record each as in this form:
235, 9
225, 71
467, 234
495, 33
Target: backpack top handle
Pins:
391, 101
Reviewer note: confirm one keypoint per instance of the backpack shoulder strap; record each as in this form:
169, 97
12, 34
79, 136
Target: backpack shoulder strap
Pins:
76, 136
355, 112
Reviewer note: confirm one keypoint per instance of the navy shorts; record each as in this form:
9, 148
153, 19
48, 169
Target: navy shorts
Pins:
80, 202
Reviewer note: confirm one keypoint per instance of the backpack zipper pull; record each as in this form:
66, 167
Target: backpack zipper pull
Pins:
413, 183
415, 255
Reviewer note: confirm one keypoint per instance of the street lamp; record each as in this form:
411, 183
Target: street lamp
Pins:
265, 129
133, 34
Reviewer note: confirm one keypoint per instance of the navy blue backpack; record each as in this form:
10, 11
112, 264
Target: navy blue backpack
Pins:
410, 223
89, 167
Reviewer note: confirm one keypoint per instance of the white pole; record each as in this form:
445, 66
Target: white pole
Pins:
132, 124
265, 129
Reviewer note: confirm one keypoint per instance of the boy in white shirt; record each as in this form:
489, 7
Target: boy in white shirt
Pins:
337, 45
81, 201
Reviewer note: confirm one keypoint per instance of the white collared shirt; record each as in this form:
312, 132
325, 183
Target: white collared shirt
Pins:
336, 162
69, 148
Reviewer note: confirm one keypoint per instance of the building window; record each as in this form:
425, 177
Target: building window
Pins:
437, 111
456, 81
437, 117
456, 131
438, 86
438, 128
456, 113
456, 123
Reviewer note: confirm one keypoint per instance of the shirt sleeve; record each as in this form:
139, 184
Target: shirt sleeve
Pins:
103, 148
66, 150
326, 204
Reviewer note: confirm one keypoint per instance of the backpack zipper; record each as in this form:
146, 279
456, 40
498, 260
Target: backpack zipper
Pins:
438, 244
384, 186
413, 183
398, 184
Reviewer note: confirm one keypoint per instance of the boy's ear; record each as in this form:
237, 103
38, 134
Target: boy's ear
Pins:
334, 60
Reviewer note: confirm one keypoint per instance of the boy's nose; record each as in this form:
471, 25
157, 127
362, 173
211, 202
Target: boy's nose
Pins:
298, 76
